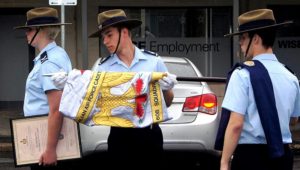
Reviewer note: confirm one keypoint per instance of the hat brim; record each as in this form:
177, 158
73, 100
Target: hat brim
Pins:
40, 25
130, 23
259, 28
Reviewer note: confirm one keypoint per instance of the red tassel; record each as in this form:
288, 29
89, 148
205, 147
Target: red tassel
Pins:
82, 71
139, 99
139, 85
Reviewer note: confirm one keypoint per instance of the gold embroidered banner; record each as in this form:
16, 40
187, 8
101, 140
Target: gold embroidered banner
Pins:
122, 99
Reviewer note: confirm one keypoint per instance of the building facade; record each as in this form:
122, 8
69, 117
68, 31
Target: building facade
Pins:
190, 28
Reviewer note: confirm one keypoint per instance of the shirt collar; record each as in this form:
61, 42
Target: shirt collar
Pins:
47, 48
265, 56
138, 55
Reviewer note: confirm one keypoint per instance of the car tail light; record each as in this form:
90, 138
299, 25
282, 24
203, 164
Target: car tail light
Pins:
205, 103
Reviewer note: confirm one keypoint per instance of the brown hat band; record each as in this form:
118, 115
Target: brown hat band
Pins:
42, 20
256, 24
112, 20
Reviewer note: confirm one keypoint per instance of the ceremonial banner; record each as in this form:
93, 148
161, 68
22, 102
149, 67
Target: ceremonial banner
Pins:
121, 99
30, 139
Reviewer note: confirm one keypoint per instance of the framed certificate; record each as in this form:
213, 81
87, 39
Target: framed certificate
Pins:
29, 136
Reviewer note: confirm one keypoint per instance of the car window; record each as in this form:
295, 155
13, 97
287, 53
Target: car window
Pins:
181, 69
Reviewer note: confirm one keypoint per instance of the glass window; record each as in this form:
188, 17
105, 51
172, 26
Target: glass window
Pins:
181, 69
196, 33
281, 15
165, 22
287, 43
221, 20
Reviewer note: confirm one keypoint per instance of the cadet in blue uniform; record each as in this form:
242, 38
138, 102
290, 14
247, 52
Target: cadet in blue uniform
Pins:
41, 95
249, 137
131, 147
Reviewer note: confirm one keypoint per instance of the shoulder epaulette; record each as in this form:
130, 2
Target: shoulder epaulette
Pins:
289, 69
239, 67
104, 59
149, 52
44, 57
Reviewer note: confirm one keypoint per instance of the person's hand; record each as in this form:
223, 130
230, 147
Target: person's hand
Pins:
168, 82
59, 79
225, 166
48, 158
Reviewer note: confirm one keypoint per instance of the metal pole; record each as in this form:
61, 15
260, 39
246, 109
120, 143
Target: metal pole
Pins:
62, 26
210, 41
236, 47
84, 34
206, 41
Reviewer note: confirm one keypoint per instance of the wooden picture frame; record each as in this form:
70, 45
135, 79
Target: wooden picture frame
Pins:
29, 138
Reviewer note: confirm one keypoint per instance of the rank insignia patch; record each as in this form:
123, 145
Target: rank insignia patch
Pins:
44, 57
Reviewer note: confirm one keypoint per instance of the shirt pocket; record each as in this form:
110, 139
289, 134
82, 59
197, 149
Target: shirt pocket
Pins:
33, 75
33, 81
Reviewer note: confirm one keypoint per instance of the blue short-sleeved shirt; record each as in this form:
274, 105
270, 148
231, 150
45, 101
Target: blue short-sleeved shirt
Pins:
143, 61
51, 59
239, 98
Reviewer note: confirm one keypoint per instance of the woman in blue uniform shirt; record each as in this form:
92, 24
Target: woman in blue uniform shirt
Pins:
41, 95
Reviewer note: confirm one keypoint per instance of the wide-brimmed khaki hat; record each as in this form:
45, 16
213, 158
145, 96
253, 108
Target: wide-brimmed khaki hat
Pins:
42, 16
256, 20
114, 17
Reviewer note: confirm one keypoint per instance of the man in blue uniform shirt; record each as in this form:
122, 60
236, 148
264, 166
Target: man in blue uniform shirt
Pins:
131, 147
41, 95
261, 81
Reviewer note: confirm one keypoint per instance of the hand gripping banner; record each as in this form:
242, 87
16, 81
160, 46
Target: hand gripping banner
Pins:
121, 99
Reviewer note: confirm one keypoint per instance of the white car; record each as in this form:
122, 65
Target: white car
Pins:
194, 110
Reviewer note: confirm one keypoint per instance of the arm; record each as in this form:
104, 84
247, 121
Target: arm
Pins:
55, 120
232, 135
168, 95
167, 83
293, 121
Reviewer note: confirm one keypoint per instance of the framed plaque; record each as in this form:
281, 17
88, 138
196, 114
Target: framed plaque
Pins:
29, 136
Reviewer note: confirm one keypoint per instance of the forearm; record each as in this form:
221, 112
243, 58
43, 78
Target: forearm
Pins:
293, 121
230, 143
168, 96
55, 121
232, 135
